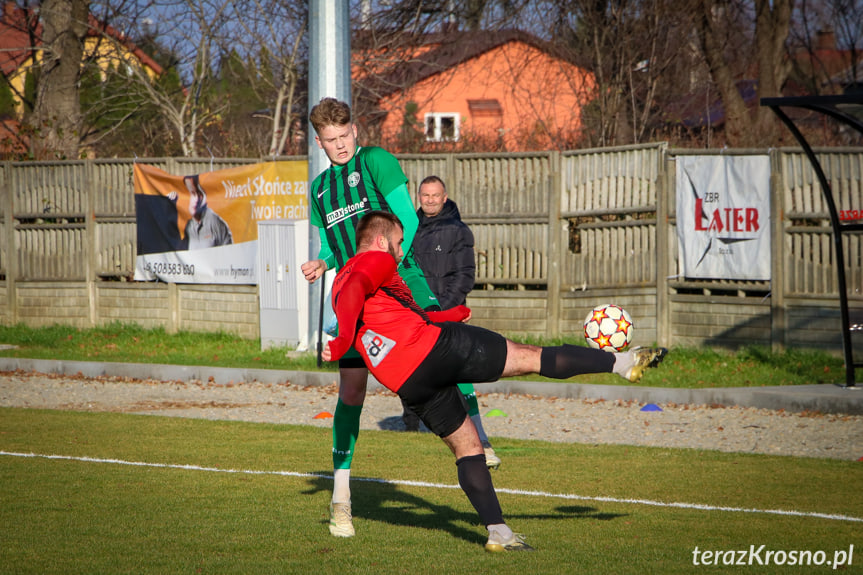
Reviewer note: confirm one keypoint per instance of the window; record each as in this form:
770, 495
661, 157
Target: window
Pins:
486, 108
441, 127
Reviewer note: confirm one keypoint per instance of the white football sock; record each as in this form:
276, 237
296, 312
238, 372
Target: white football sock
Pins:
502, 530
623, 363
342, 486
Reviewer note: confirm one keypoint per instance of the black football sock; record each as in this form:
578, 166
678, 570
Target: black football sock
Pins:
565, 361
475, 480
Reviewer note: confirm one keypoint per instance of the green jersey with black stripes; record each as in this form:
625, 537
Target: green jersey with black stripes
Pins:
341, 195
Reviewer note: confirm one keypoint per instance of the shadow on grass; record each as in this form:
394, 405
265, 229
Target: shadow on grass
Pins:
395, 423
387, 503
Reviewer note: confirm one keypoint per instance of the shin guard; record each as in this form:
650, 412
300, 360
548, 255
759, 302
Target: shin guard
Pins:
346, 428
565, 361
475, 480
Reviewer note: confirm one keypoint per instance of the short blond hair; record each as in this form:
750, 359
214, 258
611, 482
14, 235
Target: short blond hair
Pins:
329, 112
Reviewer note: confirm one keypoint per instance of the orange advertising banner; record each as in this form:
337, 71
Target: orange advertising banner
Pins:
203, 228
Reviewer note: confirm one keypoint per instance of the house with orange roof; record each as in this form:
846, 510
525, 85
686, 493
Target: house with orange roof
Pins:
494, 91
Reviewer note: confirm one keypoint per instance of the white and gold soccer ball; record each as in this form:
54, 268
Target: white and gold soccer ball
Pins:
608, 327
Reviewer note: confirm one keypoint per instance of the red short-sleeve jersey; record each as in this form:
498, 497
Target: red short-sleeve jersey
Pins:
378, 316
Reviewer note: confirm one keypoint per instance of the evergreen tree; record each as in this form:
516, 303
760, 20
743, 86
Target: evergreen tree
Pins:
7, 99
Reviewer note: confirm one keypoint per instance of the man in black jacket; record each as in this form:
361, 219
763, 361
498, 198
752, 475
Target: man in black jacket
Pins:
444, 245
443, 248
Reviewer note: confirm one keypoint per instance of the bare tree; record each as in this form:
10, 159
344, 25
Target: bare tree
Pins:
632, 47
715, 21
659, 63
847, 19
115, 110
190, 30
201, 41
70, 79
274, 31
56, 119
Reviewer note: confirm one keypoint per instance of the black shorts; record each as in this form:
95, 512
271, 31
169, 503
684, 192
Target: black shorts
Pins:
463, 354
353, 361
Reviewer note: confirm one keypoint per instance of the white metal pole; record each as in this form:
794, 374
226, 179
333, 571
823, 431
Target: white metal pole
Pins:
329, 76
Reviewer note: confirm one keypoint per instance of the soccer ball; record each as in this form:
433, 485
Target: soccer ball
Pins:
608, 327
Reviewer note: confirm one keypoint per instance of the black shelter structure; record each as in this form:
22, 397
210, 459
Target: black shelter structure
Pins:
847, 109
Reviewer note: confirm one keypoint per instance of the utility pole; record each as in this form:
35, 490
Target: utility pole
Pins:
329, 76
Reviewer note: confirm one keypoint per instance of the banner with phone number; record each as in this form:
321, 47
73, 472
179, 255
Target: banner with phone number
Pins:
203, 228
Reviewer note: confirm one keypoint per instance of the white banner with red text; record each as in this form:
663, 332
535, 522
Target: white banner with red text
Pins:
723, 216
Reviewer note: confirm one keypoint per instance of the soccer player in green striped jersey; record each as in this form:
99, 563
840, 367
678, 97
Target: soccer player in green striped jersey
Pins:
360, 179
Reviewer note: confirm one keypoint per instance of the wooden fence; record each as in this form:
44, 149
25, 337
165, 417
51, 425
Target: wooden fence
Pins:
556, 233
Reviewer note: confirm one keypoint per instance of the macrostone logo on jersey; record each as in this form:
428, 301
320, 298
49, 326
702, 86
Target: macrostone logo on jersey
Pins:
354, 179
344, 213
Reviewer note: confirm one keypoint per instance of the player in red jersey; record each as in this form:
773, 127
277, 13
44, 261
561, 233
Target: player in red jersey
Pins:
422, 355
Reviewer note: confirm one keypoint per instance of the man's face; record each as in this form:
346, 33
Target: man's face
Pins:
338, 142
195, 204
432, 198
395, 244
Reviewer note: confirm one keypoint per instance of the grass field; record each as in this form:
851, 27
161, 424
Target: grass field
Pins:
112, 493
683, 368
231, 497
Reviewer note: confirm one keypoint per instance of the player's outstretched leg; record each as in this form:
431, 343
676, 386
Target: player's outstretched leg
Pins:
469, 393
565, 361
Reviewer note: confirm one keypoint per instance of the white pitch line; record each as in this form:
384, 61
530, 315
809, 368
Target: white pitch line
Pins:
678, 505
